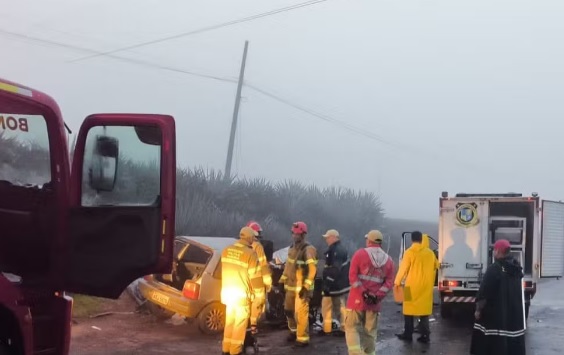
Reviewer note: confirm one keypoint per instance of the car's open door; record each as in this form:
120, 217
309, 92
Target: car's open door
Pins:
403, 245
122, 203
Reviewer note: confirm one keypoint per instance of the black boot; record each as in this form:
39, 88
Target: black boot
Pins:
404, 336
407, 329
424, 339
299, 344
338, 333
291, 337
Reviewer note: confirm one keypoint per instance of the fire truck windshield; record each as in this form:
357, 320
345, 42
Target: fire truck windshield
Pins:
24, 149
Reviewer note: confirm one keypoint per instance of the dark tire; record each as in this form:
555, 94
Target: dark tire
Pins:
446, 311
158, 311
4, 350
211, 319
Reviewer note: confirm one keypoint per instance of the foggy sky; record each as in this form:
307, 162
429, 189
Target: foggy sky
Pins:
468, 93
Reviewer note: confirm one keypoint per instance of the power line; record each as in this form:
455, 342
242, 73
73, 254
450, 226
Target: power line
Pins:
129, 60
416, 150
326, 118
204, 29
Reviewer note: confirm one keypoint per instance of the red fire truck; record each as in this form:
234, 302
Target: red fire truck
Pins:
89, 229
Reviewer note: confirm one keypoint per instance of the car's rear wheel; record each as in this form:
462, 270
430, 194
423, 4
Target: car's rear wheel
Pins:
211, 319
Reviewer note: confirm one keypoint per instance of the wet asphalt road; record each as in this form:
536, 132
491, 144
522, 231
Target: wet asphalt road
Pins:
545, 334
134, 334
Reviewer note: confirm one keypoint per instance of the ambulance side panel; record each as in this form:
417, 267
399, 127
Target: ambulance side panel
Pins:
463, 228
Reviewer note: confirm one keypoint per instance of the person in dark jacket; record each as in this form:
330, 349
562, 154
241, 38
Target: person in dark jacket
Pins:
500, 307
335, 283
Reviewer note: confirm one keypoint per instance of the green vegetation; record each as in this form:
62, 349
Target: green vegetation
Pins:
210, 205
86, 306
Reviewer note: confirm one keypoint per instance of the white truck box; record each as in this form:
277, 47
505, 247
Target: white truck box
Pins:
469, 225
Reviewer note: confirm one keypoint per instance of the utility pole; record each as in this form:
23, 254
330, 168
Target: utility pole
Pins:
235, 114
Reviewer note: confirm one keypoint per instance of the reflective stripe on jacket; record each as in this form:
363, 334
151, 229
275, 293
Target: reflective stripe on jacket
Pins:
240, 274
264, 267
371, 270
300, 268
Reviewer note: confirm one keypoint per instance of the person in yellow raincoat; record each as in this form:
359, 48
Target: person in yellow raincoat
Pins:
417, 269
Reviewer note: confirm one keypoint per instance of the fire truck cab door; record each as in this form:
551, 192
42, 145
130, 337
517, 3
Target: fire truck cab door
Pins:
122, 202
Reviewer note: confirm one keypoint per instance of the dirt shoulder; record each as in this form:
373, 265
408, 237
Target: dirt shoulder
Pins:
128, 332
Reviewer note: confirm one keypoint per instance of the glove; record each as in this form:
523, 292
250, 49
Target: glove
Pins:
370, 299
304, 293
326, 291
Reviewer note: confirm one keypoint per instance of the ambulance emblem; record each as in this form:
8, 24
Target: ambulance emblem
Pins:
467, 215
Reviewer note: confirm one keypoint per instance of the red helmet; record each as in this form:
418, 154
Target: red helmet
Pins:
299, 228
256, 227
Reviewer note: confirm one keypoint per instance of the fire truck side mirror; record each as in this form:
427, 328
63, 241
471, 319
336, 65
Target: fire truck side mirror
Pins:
103, 164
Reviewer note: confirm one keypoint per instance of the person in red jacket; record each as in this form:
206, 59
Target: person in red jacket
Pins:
371, 276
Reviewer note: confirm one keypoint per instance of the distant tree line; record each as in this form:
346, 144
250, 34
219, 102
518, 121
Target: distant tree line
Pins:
208, 204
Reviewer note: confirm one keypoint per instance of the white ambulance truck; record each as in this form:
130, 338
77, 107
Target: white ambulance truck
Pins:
469, 225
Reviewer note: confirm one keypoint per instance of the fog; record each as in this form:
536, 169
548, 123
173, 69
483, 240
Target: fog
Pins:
401, 98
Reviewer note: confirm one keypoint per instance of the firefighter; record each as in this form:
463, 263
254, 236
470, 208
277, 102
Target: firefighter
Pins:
259, 303
241, 282
418, 268
298, 279
335, 283
371, 277
426, 244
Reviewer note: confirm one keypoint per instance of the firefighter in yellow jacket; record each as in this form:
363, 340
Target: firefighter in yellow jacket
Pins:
241, 281
258, 306
298, 279
417, 269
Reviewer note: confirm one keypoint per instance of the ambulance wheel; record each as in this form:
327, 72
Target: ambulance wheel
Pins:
211, 319
446, 311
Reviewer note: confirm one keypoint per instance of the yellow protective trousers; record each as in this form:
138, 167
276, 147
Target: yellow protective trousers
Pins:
330, 307
257, 308
297, 313
361, 328
236, 322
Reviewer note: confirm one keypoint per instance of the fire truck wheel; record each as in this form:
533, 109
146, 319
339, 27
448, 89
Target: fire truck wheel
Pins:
211, 319
4, 350
446, 311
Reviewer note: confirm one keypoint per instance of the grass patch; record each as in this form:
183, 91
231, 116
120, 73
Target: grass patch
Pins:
86, 306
